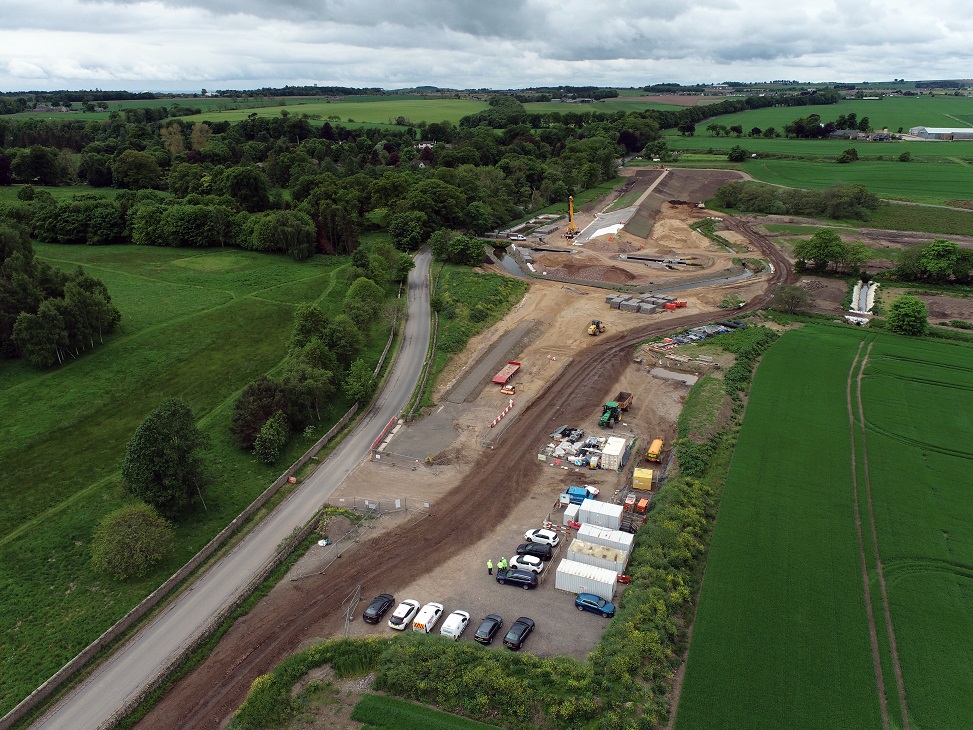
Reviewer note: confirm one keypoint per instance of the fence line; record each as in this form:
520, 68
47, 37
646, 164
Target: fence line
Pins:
383, 506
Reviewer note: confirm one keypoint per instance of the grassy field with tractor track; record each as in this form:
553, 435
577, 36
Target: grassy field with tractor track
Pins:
783, 635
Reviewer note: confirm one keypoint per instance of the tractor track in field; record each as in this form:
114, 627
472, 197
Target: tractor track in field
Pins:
494, 485
896, 665
872, 631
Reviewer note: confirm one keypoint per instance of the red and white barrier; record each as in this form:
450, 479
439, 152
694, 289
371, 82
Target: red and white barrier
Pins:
504, 413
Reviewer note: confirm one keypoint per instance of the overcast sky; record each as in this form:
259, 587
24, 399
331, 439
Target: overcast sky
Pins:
187, 45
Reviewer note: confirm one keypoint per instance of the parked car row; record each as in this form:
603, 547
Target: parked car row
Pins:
409, 614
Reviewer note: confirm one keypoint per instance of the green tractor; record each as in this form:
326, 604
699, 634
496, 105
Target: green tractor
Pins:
610, 415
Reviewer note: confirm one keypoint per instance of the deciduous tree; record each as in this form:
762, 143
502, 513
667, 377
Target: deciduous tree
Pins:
130, 541
163, 464
272, 438
908, 316
790, 298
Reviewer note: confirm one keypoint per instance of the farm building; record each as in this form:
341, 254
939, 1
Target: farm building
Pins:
942, 133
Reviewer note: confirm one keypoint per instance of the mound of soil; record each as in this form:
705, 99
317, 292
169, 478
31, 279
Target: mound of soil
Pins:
678, 236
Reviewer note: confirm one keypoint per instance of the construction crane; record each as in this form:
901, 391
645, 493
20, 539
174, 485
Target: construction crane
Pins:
573, 230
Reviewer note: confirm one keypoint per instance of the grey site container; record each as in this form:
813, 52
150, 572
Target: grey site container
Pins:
601, 514
598, 555
570, 513
597, 535
576, 577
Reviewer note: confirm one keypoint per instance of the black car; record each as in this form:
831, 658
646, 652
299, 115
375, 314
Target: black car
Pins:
526, 579
544, 552
518, 633
377, 608
488, 629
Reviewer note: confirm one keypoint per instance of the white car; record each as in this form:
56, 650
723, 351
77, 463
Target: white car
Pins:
544, 537
402, 617
455, 624
527, 562
427, 618
518, 237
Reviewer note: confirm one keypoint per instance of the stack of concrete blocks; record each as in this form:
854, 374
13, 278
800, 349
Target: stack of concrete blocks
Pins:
642, 303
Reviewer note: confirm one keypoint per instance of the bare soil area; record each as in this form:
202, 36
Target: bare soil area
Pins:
484, 487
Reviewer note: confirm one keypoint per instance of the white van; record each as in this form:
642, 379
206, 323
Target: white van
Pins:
455, 624
427, 618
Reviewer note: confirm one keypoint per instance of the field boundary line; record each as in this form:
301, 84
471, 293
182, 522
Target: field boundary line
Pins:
872, 631
896, 666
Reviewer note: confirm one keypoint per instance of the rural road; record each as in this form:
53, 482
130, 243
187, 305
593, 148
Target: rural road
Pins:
115, 684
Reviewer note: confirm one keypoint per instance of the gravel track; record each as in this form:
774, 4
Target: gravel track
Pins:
495, 484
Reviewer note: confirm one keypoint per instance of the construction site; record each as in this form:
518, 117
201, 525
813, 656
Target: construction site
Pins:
554, 397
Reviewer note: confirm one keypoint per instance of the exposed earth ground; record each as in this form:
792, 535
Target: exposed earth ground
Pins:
467, 492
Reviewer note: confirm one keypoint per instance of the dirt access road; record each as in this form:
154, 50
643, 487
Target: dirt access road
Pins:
496, 484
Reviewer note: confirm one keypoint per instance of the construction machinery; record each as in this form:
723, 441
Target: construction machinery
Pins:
596, 327
573, 229
611, 414
655, 451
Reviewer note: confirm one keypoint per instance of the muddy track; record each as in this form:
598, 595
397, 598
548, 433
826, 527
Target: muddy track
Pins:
495, 484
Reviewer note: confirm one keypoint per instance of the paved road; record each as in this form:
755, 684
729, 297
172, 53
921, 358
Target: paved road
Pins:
138, 662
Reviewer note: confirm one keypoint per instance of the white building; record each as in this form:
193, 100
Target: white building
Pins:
942, 133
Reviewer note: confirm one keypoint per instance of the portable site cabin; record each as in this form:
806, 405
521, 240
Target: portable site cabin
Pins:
617, 539
570, 514
576, 577
611, 454
600, 556
642, 479
600, 514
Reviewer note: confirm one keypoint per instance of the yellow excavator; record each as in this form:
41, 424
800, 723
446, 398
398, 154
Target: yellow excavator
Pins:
572, 230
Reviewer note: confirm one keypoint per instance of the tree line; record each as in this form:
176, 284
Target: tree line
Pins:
325, 355
842, 202
47, 315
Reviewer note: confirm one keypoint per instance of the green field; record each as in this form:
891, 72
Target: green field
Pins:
922, 183
383, 111
602, 105
889, 113
823, 149
781, 637
198, 325
387, 713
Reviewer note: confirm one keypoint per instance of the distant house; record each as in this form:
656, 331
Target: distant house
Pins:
942, 133
426, 145
880, 137
845, 134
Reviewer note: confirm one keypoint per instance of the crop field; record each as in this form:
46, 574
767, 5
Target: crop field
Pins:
804, 621
823, 149
198, 325
922, 183
386, 111
889, 113
603, 105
